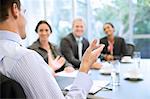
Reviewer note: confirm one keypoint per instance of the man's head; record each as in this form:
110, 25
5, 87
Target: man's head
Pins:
11, 17
78, 27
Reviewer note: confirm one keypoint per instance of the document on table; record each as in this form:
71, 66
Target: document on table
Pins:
72, 74
97, 86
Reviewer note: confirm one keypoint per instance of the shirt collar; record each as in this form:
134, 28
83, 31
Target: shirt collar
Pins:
7, 35
78, 39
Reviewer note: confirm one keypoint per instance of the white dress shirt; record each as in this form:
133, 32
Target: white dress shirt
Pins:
30, 70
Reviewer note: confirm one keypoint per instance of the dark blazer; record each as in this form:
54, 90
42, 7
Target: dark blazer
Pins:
10, 89
119, 47
55, 52
69, 48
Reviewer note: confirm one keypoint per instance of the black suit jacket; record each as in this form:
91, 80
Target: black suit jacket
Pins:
69, 48
119, 47
10, 89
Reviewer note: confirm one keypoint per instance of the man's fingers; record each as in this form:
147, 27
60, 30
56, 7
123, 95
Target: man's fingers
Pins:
57, 58
61, 60
98, 50
92, 45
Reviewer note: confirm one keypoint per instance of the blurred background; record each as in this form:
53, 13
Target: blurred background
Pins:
131, 19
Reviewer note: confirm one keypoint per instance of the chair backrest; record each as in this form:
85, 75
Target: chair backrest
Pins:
10, 89
130, 49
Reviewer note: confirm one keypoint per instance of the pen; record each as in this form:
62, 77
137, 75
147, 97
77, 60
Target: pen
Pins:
107, 88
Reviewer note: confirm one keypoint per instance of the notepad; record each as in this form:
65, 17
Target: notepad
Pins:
71, 74
97, 86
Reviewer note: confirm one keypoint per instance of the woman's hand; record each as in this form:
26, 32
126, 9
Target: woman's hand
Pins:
109, 57
57, 63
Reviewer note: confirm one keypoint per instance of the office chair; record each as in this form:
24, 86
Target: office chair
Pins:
10, 89
130, 49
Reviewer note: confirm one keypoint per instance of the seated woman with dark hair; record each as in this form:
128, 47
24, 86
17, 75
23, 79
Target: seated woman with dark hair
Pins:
115, 47
47, 50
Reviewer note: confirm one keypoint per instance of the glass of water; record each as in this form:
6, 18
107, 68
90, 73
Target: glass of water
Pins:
115, 73
137, 58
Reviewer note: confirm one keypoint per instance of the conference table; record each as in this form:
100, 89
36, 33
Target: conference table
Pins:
128, 89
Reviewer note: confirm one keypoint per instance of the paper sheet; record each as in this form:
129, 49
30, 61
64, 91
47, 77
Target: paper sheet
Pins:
97, 85
65, 74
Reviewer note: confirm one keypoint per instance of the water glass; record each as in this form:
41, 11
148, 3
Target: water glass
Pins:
137, 58
115, 73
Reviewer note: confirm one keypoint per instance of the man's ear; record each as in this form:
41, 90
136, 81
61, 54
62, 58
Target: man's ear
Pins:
113, 30
15, 10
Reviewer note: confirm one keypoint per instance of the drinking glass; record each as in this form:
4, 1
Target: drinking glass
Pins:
115, 73
137, 58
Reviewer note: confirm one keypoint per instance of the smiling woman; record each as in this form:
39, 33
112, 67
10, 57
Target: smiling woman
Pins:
115, 47
49, 51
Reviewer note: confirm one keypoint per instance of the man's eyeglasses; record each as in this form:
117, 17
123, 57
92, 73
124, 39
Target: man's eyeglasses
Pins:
23, 11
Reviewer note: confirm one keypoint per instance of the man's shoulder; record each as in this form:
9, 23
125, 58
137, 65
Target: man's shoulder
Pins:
69, 36
85, 39
20, 52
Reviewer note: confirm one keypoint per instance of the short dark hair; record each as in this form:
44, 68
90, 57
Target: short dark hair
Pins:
5, 5
110, 24
41, 22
